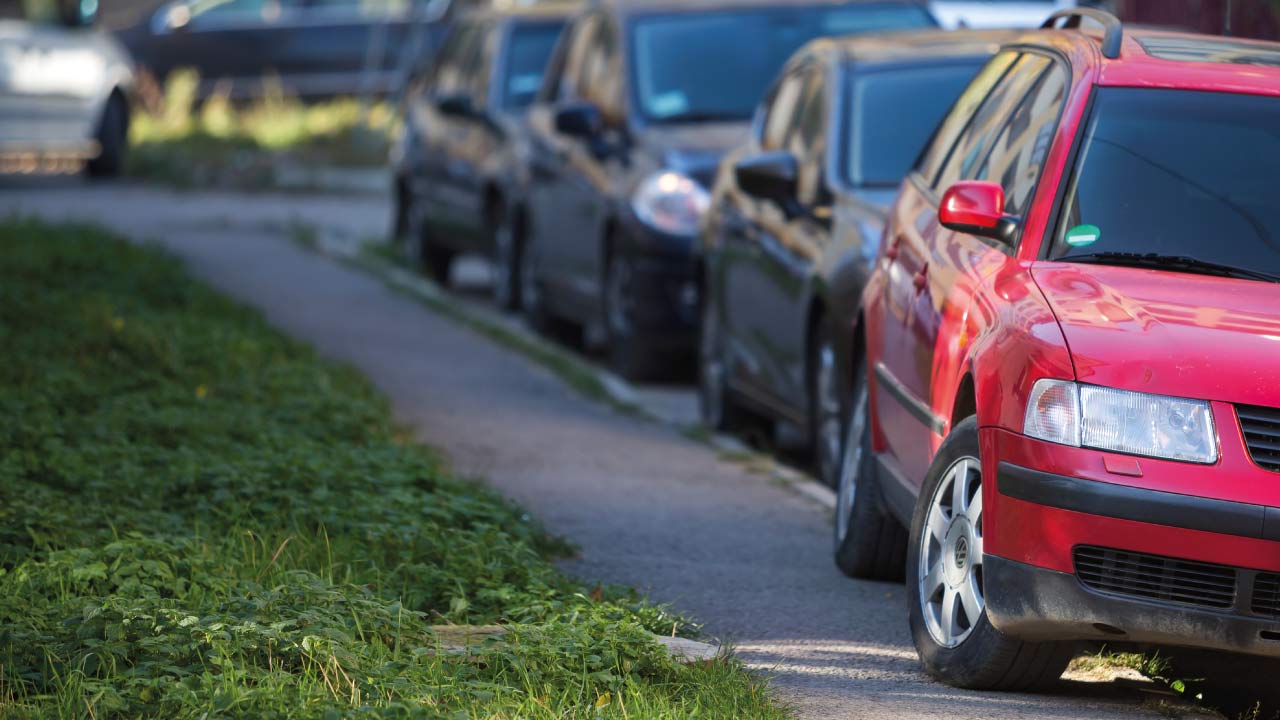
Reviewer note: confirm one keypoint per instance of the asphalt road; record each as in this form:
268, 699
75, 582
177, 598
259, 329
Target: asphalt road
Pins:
647, 506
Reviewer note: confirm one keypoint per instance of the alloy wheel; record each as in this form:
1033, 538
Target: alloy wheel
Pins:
827, 397
950, 567
711, 368
847, 485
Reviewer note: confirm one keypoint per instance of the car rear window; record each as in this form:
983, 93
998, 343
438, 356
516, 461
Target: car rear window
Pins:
709, 65
894, 112
1180, 173
528, 52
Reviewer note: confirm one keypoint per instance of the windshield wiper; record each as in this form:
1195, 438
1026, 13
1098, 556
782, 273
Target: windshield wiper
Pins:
708, 116
1172, 262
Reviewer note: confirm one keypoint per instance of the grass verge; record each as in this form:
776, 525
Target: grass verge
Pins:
202, 519
218, 143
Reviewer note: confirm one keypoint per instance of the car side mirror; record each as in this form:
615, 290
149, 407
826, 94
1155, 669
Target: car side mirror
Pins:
580, 120
75, 14
769, 176
458, 106
976, 207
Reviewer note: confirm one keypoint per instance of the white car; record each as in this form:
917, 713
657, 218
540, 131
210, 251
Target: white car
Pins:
952, 14
64, 89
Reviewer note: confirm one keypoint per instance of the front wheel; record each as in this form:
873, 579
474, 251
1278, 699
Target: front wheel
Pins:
714, 400
869, 542
826, 421
631, 353
113, 140
957, 643
507, 262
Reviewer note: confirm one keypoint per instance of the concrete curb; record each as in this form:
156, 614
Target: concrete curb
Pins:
622, 395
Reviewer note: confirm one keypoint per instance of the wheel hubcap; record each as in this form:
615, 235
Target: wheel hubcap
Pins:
619, 298
847, 489
950, 574
828, 415
712, 369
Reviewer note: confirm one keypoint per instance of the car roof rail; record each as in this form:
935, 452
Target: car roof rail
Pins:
1111, 25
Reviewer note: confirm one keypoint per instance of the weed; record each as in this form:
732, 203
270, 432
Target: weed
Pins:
200, 518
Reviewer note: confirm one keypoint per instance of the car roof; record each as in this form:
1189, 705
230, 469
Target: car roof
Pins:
635, 7
1176, 60
915, 46
541, 10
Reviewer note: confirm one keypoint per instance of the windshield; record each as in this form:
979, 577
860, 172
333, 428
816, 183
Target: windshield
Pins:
528, 52
1177, 173
883, 145
716, 65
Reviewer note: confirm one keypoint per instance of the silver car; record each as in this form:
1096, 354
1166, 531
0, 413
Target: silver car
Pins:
65, 89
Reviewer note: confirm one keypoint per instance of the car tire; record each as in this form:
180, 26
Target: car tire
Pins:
870, 544
631, 354
113, 140
944, 581
532, 302
826, 407
422, 251
507, 253
715, 401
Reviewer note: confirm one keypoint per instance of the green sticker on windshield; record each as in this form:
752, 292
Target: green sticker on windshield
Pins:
1082, 235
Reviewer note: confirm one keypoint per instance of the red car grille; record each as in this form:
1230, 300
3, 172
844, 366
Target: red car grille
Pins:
1156, 578
1261, 427
1266, 595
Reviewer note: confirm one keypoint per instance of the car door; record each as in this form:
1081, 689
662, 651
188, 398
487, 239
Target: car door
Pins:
747, 219
922, 275
441, 198
585, 186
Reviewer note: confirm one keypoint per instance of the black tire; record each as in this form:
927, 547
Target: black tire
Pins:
982, 657
423, 251
113, 140
826, 406
507, 253
532, 302
631, 354
870, 544
715, 401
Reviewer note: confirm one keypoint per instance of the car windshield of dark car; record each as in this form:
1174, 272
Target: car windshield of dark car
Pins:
715, 65
1176, 174
893, 112
528, 52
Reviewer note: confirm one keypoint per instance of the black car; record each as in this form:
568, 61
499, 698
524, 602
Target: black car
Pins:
639, 104
459, 165
316, 48
796, 218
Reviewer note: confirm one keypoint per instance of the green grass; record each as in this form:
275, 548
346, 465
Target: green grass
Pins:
202, 519
218, 143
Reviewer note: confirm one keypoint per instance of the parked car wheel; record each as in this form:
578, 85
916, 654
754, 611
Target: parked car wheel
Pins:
826, 409
531, 301
630, 353
957, 643
714, 399
506, 262
869, 542
425, 252
113, 140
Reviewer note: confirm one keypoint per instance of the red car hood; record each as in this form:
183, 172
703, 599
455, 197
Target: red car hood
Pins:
1170, 333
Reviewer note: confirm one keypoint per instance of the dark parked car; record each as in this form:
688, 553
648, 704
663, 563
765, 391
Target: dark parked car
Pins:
317, 48
459, 165
796, 218
64, 89
640, 102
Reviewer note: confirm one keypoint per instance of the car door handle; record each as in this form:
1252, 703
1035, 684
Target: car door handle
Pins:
921, 279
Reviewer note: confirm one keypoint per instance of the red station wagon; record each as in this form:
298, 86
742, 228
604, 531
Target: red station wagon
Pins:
1071, 348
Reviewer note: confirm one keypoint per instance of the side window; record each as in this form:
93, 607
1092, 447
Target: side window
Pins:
958, 118
599, 74
553, 78
968, 151
479, 66
1019, 150
807, 139
783, 105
